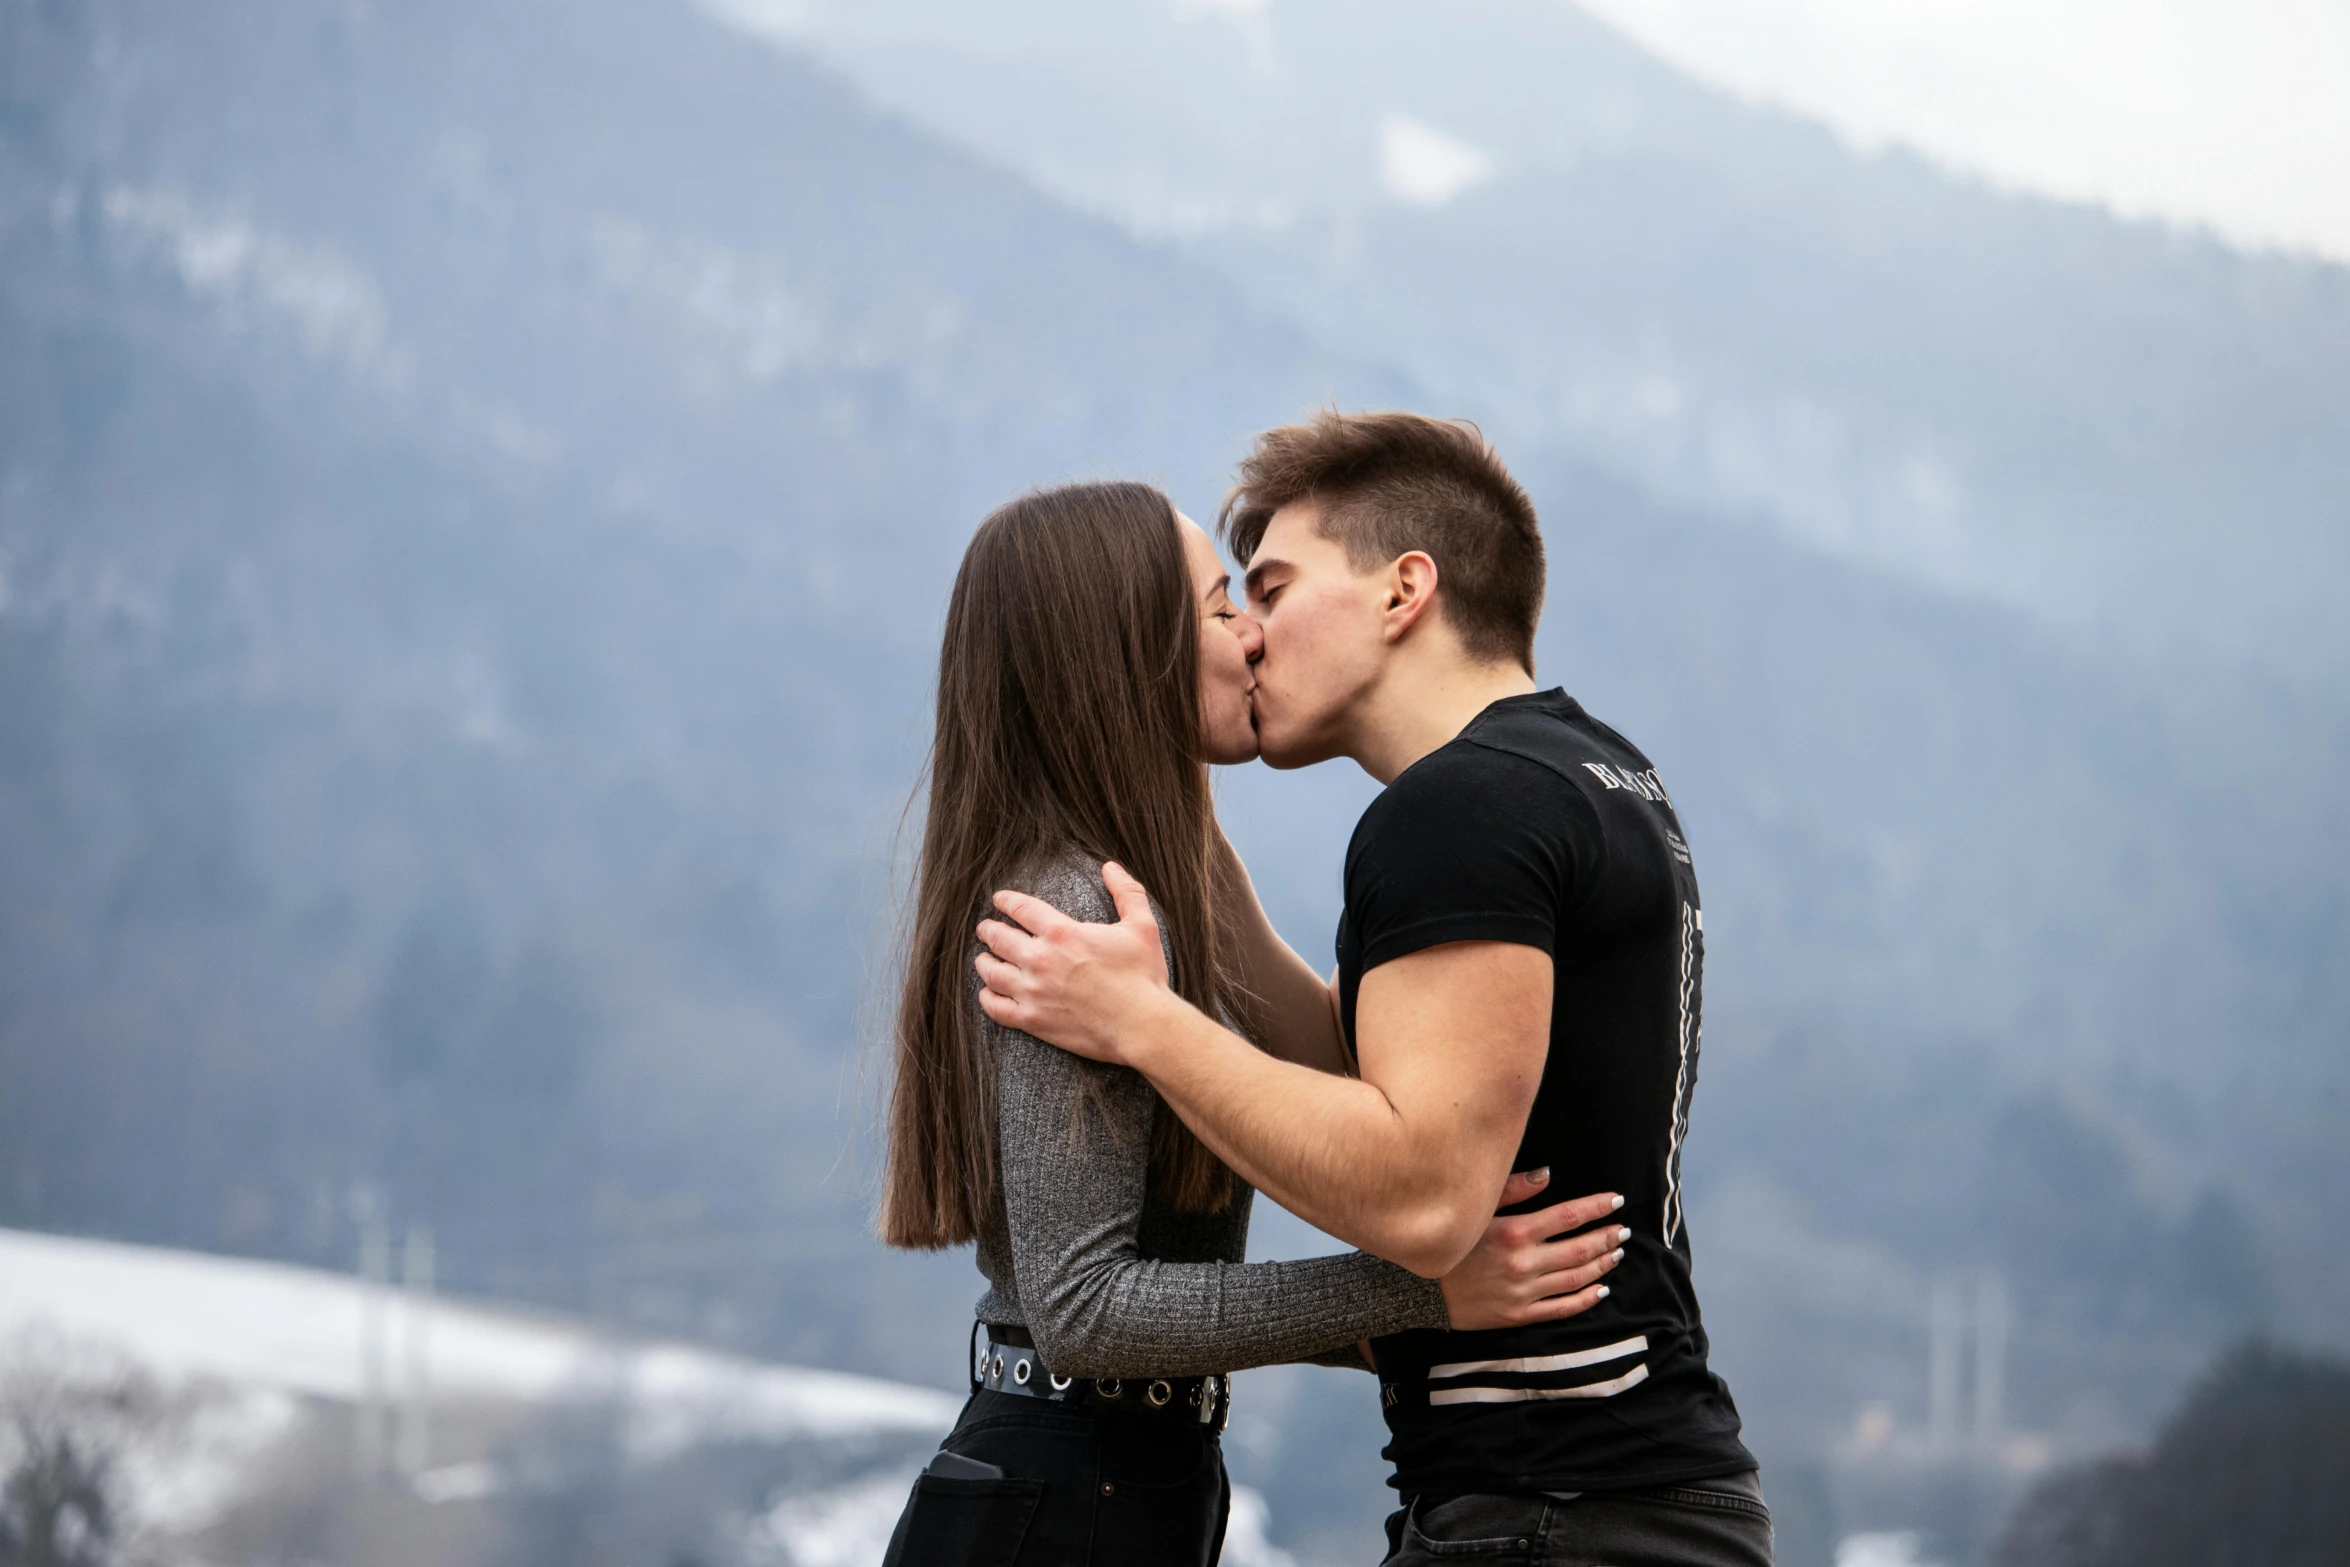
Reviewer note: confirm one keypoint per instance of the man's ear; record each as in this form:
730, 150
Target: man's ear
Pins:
1411, 592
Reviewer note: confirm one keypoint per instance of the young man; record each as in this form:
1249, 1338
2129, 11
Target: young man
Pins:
1518, 986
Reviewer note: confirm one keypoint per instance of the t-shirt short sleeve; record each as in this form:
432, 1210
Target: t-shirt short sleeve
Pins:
1471, 844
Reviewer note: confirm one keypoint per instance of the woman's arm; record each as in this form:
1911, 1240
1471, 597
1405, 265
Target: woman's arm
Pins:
1295, 1012
1095, 1306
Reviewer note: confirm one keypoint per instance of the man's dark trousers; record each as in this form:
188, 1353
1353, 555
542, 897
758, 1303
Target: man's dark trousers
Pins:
1699, 1523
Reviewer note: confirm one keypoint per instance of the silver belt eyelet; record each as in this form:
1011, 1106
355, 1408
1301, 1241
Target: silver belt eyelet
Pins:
1020, 1371
1159, 1393
995, 1370
1110, 1387
1060, 1383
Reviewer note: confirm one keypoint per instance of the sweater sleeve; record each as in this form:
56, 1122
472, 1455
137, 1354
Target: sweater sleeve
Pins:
1074, 1149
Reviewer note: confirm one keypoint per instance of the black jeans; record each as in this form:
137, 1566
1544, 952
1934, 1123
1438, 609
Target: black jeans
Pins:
1139, 1490
1698, 1523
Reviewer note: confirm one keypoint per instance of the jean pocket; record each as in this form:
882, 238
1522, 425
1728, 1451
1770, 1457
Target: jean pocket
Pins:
1706, 1498
1486, 1528
964, 1523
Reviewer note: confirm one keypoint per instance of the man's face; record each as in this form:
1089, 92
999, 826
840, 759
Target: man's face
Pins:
1324, 638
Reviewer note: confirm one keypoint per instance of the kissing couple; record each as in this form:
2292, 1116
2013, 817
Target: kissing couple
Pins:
1104, 1049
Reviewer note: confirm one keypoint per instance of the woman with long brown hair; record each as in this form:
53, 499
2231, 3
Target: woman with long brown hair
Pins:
1093, 667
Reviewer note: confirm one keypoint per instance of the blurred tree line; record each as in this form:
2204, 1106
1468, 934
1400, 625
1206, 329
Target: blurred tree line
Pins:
2253, 1468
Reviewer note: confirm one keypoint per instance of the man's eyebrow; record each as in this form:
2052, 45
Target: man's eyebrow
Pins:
1256, 575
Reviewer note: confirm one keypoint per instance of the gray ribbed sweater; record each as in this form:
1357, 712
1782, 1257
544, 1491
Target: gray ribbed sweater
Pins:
1105, 1275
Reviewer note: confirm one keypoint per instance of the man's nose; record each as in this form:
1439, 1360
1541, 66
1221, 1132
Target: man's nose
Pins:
1252, 637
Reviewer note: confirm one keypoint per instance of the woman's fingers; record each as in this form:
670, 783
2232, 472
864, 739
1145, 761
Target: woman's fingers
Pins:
1573, 1214
1560, 1307
1522, 1185
1541, 1274
1533, 1255
1568, 1280
1575, 1250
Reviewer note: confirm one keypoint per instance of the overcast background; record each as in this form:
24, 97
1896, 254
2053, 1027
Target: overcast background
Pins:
2205, 114
478, 483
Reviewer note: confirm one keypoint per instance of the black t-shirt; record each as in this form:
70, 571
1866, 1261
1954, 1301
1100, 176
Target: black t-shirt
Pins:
1540, 825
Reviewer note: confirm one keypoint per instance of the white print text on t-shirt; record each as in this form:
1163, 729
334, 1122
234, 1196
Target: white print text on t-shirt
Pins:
1646, 785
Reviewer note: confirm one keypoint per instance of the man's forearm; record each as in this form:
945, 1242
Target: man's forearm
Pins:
1333, 1150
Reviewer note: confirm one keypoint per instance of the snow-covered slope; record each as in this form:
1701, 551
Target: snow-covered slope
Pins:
300, 1330
263, 1335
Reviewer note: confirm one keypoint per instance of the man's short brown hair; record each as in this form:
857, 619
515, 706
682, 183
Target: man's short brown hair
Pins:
1391, 483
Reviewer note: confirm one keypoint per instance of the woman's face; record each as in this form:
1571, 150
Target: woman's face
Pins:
1228, 645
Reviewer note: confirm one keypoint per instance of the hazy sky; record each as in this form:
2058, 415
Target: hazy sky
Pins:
2231, 113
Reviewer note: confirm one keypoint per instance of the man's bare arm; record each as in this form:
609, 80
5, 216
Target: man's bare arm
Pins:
1402, 1162
1293, 1013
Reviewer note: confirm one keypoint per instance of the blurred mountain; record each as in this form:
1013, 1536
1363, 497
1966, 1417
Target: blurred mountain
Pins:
478, 484
2122, 429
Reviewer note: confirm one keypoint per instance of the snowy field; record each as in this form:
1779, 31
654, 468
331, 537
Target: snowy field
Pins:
255, 1345
266, 1325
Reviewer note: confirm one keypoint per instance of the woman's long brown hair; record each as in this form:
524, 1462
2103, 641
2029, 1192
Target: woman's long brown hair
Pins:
1068, 717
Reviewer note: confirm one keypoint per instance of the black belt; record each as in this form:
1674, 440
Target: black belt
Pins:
1006, 1364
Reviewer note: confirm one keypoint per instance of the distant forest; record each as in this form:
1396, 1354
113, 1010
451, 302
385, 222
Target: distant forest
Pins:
2253, 1467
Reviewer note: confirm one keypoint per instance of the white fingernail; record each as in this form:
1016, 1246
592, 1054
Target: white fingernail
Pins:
1602, 1292
1619, 1255
1618, 1203
1623, 1232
